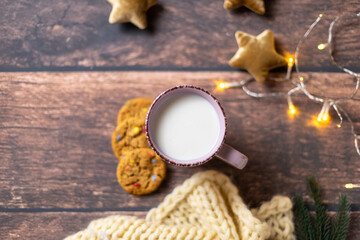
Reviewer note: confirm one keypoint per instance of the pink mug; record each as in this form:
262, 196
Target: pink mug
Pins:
186, 126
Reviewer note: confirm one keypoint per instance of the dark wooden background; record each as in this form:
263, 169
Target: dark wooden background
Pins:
65, 72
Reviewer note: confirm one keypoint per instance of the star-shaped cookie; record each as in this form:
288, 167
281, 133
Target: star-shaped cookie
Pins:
256, 54
133, 11
254, 5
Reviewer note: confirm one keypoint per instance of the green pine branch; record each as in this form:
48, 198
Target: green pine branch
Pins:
320, 226
342, 219
322, 222
304, 224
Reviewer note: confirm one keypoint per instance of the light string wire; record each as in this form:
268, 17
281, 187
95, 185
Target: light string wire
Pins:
301, 86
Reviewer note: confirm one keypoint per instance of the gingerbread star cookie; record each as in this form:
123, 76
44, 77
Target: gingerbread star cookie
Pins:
133, 11
256, 54
254, 5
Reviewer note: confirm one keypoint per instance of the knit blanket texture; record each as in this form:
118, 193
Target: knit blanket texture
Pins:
205, 206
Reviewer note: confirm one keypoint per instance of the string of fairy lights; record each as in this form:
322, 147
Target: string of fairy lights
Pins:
300, 85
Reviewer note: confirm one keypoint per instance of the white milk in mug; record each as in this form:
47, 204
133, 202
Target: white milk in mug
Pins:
186, 127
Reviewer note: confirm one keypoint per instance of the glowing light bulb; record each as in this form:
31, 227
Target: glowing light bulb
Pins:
320, 15
350, 185
321, 46
339, 125
324, 113
301, 79
290, 60
292, 110
323, 118
220, 85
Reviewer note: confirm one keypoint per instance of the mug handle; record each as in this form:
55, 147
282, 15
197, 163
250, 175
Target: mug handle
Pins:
232, 156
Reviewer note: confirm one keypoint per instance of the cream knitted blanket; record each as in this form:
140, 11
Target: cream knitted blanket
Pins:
205, 206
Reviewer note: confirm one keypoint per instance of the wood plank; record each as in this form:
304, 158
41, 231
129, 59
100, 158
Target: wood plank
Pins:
55, 134
43, 34
49, 225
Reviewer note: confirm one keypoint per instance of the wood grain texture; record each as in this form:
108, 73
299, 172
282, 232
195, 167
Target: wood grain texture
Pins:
56, 226
55, 132
49, 225
49, 34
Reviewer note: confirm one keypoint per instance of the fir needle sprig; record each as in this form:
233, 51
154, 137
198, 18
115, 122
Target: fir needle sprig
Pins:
321, 226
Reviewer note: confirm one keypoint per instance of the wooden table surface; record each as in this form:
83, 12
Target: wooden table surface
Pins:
65, 72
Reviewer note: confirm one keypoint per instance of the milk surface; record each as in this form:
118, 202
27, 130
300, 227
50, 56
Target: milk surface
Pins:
186, 127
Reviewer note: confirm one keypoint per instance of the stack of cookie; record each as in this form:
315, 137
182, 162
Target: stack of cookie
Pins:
140, 171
